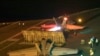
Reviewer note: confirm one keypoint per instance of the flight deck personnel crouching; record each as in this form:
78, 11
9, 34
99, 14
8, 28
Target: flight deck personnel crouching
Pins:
97, 42
91, 52
92, 41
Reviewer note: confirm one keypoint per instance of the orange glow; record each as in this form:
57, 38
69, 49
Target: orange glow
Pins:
48, 26
74, 27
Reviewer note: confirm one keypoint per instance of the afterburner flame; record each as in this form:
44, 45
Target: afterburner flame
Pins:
54, 29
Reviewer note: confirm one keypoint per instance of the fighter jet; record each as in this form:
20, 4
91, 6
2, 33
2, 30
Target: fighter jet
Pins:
64, 24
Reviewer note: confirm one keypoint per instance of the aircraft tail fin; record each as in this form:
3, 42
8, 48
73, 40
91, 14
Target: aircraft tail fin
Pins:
55, 20
64, 21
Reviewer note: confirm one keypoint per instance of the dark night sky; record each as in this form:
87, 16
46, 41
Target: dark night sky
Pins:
30, 9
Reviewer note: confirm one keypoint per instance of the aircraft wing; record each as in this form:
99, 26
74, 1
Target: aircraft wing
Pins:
45, 26
74, 27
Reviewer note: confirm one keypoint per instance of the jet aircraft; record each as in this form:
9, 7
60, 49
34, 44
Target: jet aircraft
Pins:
64, 24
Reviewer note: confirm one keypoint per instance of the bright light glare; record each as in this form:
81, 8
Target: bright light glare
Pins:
65, 18
55, 29
79, 20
